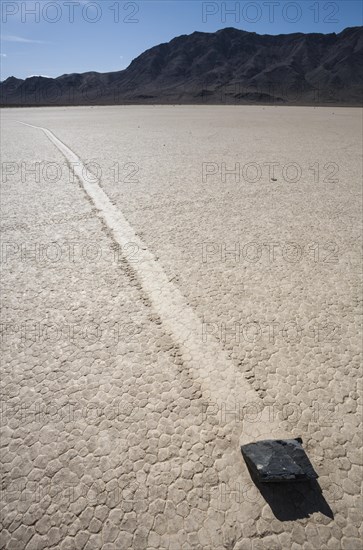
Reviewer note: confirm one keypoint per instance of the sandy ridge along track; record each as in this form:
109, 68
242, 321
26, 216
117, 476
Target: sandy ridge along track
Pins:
221, 382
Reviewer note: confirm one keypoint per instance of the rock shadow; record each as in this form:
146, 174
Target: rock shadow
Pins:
290, 501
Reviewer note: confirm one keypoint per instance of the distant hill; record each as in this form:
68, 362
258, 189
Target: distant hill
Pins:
228, 66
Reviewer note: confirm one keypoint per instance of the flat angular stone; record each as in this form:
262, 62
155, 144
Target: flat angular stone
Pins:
278, 460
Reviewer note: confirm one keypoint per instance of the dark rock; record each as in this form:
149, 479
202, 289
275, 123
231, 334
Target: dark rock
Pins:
278, 460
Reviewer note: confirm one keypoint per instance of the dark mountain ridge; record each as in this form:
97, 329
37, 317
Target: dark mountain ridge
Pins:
228, 66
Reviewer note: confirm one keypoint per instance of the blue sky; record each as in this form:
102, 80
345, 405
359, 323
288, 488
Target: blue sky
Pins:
66, 36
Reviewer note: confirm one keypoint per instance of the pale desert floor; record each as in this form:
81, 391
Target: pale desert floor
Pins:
139, 350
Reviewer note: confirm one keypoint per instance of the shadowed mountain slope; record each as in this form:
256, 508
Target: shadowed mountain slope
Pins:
228, 66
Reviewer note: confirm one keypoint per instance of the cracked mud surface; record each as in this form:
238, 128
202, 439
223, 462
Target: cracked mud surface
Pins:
109, 439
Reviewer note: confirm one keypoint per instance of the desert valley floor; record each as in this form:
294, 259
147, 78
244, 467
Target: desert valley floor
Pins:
178, 281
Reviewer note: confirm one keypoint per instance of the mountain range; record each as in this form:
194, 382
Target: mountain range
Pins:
229, 66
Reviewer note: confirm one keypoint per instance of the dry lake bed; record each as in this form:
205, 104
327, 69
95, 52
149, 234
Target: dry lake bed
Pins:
178, 281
